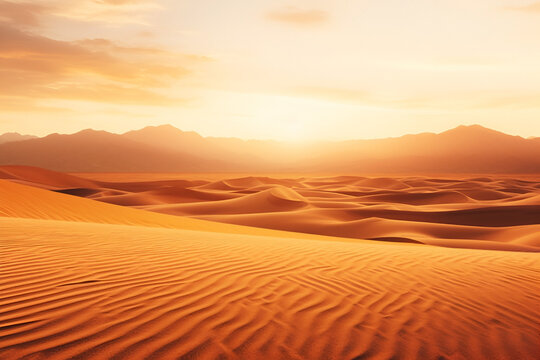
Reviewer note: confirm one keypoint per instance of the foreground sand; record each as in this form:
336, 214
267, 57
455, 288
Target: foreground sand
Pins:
72, 288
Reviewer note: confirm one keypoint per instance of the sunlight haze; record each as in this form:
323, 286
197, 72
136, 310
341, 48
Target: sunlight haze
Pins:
286, 70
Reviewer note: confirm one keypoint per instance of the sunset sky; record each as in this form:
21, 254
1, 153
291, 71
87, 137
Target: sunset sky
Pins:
288, 70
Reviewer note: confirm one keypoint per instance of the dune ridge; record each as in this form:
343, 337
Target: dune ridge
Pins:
23, 201
490, 212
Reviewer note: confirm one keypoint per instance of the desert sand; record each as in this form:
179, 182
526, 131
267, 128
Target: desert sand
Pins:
83, 279
488, 212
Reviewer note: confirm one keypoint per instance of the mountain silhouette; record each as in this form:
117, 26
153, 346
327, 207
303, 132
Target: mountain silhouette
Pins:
14, 136
465, 149
97, 151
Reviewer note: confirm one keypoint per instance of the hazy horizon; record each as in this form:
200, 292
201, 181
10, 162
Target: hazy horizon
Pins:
292, 141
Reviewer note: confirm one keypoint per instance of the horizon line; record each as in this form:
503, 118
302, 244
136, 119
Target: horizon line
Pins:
287, 141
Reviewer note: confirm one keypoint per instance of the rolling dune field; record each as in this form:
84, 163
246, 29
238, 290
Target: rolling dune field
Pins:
487, 212
84, 279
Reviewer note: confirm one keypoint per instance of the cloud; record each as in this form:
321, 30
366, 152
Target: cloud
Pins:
531, 8
24, 105
106, 11
120, 2
363, 98
299, 17
97, 70
31, 13
34, 88
112, 47
21, 14
514, 101
111, 93
469, 101
146, 34
333, 94
37, 70
20, 50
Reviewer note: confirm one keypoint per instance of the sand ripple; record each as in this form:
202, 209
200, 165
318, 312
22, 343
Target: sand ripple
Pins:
74, 290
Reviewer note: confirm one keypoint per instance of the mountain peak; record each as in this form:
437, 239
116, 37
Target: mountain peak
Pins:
86, 134
165, 148
93, 133
164, 127
473, 127
14, 136
473, 130
166, 131
90, 131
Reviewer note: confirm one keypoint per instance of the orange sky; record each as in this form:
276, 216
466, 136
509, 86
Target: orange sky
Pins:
289, 70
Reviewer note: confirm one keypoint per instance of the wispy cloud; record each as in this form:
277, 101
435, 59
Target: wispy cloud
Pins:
363, 98
22, 14
530, 8
36, 67
23, 51
120, 2
111, 93
30, 13
106, 11
493, 100
332, 94
296, 16
25, 105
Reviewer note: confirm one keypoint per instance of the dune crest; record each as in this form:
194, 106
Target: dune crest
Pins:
22, 201
498, 213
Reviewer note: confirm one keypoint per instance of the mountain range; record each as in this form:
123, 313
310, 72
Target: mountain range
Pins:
465, 149
13, 136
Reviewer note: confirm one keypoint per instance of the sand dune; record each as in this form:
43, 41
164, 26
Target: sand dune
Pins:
21, 201
487, 212
74, 290
421, 198
473, 212
83, 279
42, 177
274, 199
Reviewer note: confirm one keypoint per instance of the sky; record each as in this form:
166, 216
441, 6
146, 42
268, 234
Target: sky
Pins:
290, 70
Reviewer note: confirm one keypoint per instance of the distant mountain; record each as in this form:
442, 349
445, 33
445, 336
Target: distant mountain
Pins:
465, 149
98, 151
170, 138
166, 136
13, 136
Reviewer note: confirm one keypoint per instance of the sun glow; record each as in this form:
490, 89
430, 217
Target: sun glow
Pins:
314, 70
